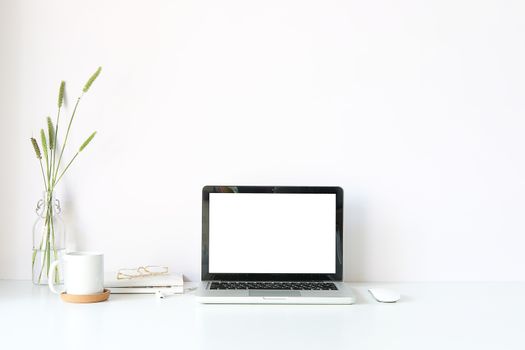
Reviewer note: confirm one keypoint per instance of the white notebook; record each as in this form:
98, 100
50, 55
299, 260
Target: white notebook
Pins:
171, 283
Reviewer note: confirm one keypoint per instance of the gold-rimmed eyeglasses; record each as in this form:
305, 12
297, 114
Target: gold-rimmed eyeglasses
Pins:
142, 271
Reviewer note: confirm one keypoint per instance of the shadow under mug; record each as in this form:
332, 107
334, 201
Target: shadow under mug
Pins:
83, 273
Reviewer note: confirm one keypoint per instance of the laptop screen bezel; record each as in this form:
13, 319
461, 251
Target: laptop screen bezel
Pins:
337, 276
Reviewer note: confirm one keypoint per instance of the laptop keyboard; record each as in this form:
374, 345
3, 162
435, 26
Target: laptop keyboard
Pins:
274, 285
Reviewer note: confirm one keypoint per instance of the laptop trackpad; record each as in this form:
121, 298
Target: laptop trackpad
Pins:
274, 293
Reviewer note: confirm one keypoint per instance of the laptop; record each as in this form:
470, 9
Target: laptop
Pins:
272, 245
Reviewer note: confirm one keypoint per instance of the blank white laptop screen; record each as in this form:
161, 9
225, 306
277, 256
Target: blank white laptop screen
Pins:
272, 233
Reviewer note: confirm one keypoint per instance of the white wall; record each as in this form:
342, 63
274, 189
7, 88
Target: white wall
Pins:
416, 108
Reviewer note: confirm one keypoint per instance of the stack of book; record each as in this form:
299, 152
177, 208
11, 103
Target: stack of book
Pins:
169, 283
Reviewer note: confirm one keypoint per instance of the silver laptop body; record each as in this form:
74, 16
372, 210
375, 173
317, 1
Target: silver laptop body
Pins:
272, 245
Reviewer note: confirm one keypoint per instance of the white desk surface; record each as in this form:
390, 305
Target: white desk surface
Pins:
429, 316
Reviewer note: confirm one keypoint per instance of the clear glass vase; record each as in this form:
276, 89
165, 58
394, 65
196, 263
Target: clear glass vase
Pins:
49, 239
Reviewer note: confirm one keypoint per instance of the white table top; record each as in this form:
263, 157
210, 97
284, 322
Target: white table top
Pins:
429, 316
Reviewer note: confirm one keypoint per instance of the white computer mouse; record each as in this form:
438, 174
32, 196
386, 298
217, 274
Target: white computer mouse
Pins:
385, 295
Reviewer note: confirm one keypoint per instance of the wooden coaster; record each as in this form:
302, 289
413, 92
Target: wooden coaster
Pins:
92, 298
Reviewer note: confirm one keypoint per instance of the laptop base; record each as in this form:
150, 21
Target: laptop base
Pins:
343, 296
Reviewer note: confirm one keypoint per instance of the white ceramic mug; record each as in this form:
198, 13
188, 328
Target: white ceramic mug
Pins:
83, 273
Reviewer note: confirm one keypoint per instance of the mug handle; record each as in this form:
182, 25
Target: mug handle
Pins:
51, 278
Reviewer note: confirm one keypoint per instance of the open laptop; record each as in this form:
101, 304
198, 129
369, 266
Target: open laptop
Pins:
272, 245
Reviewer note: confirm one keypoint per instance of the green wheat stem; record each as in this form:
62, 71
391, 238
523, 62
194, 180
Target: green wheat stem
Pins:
45, 250
46, 154
33, 261
65, 140
46, 235
43, 176
54, 150
35, 252
49, 230
45, 261
80, 149
52, 175
67, 167
48, 247
61, 91
41, 243
42, 268
40, 247
84, 90
51, 138
55, 255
